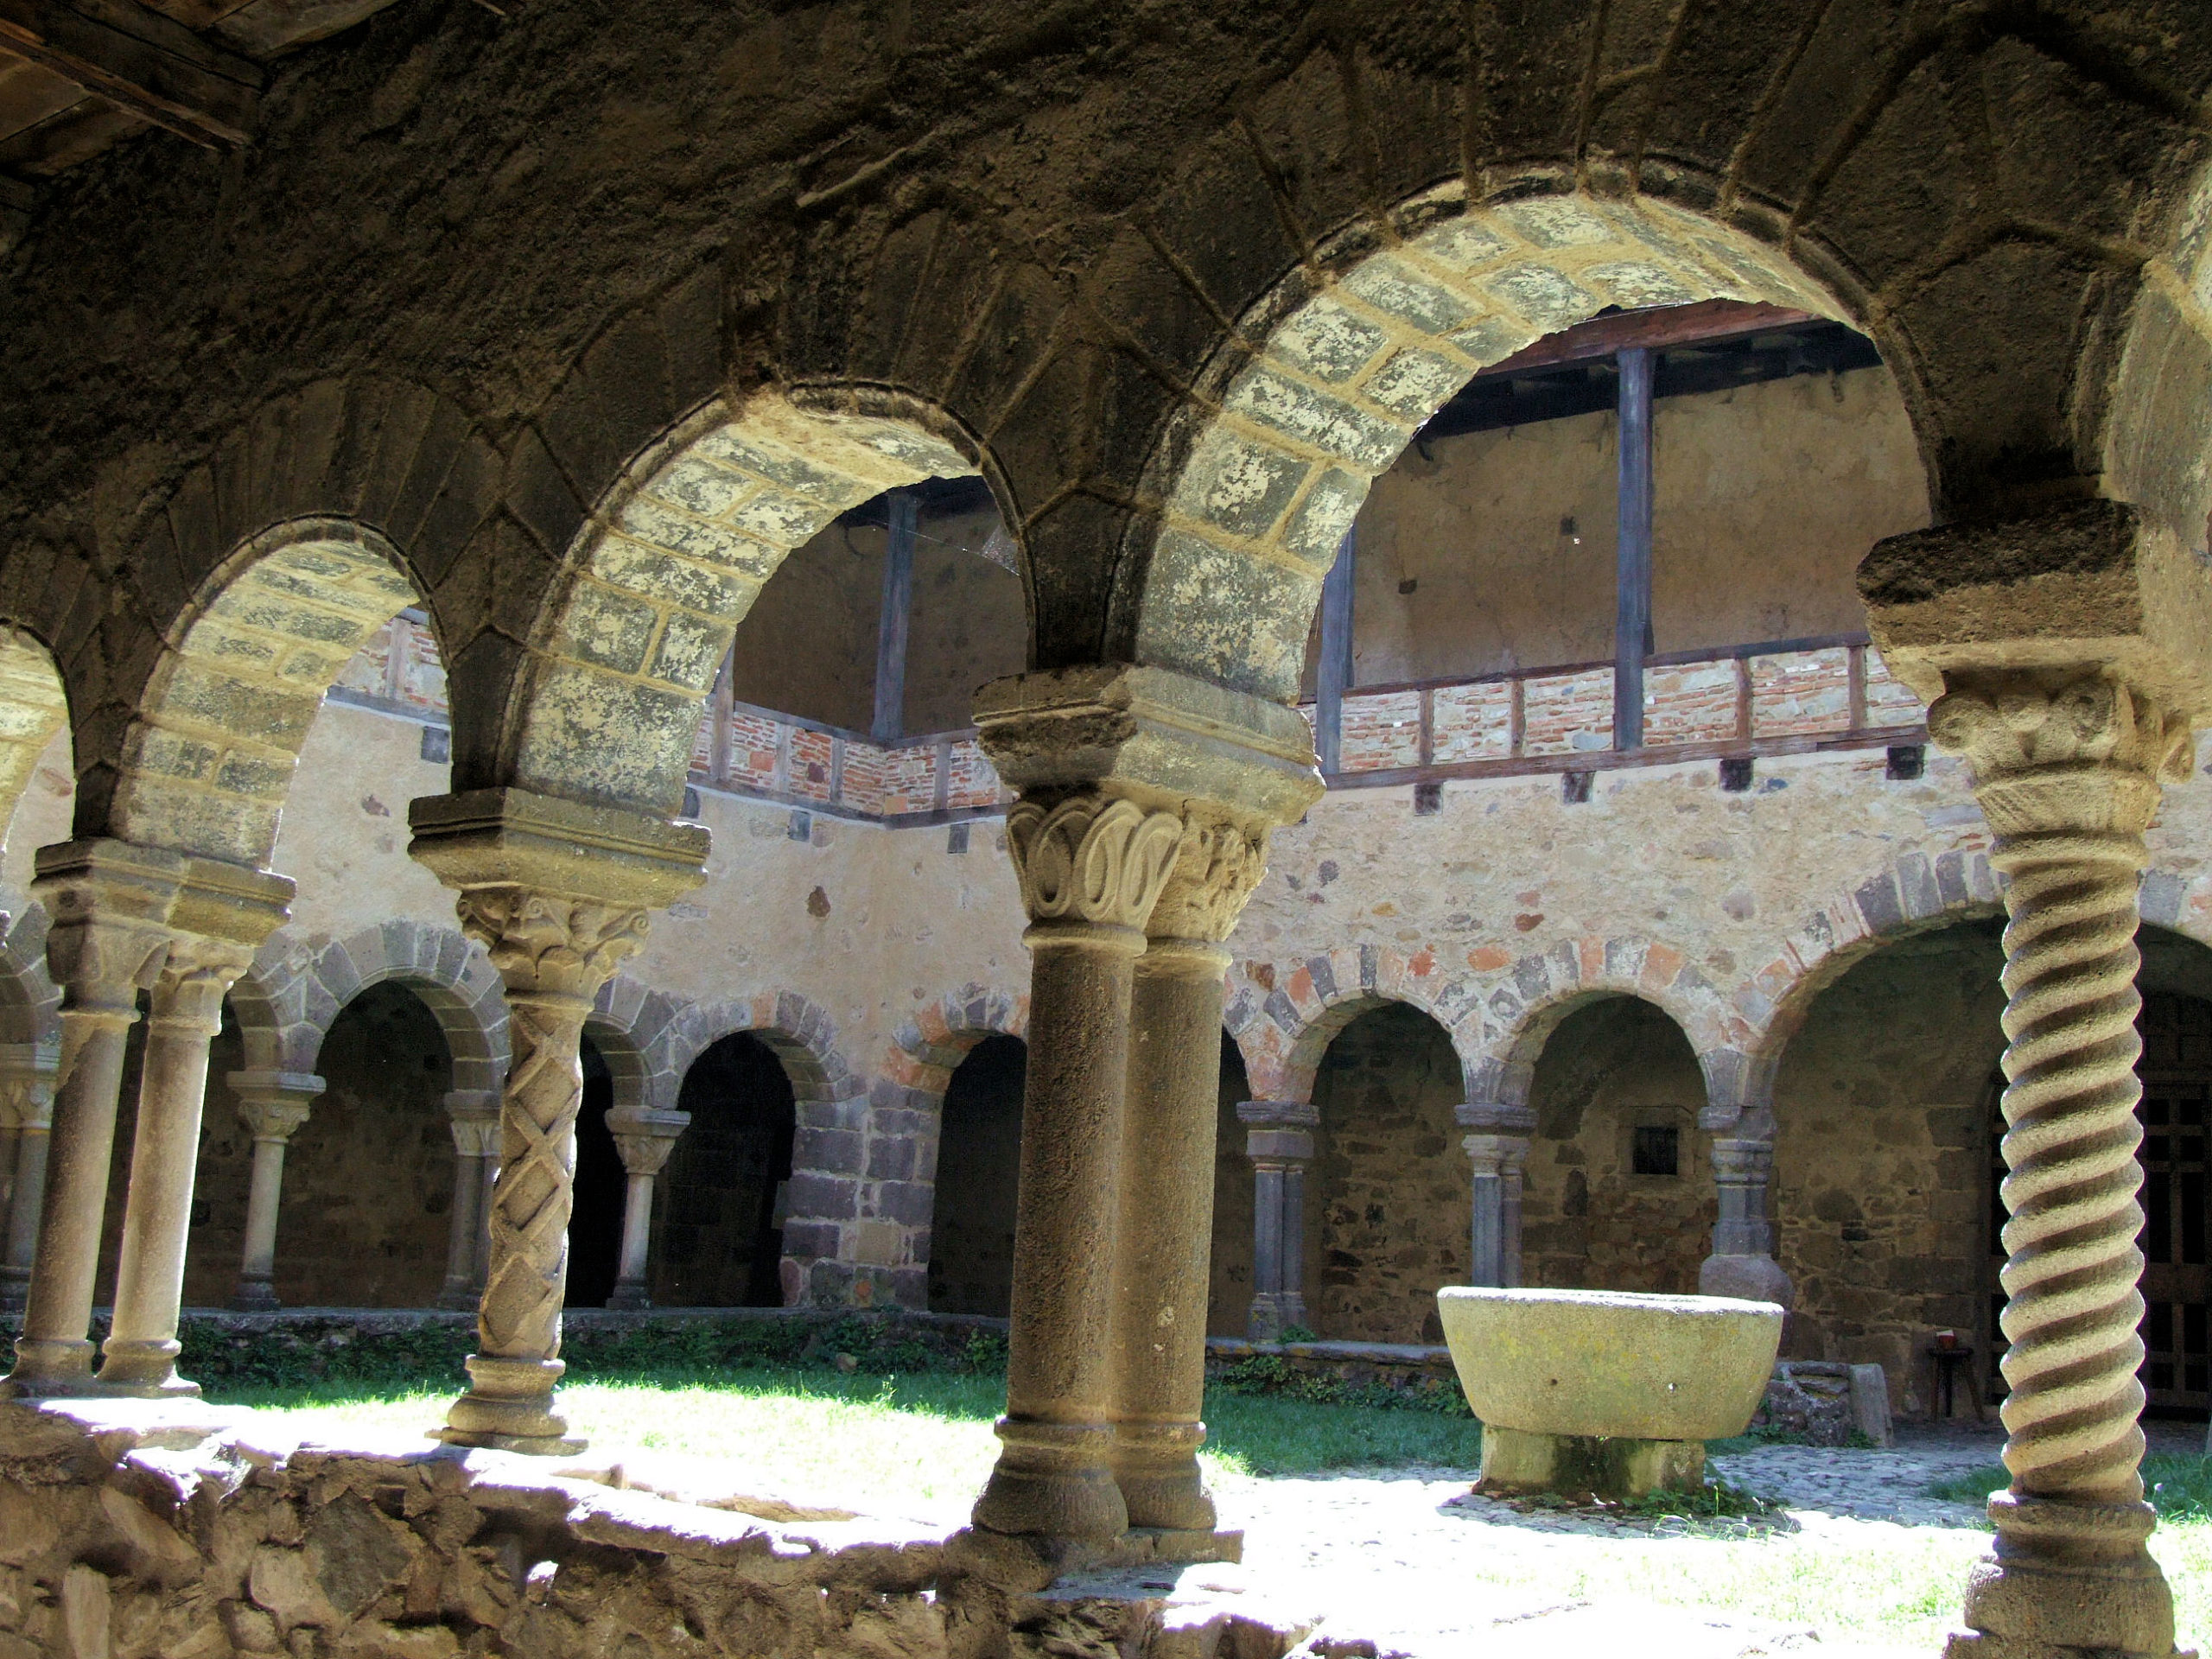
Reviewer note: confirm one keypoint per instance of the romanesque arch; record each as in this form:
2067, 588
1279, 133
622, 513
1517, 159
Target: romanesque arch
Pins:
1325, 380
1283, 1018
656, 579
33, 707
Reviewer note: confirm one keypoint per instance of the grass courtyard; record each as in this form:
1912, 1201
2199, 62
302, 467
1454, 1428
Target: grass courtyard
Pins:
1373, 1479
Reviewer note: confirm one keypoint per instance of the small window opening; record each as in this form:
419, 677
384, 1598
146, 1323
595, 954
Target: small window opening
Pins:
1736, 773
1575, 787
1907, 762
1657, 1150
1429, 799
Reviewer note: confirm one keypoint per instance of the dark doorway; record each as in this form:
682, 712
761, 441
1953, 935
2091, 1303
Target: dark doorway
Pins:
595, 1222
721, 1225
978, 1169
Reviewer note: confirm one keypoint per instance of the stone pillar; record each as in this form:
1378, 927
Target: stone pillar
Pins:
110, 903
2065, 657
1279, 1139
1127, 777
273, 1105
473, 1116
558, 893
28, 1090
644, 1140
1166, 1227
221, 914
1742, 1262
1498, 1147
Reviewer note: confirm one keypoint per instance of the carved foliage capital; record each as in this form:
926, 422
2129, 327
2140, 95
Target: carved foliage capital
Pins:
1218, 864
1092, 860
273, 1117
550, 946
196, 975
2051, 753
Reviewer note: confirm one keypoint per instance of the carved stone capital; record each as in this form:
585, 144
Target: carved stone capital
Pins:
2050, 751
109, 904
1092, 860
1218, 862
274, 1104
547, 945
27, 1074
645, 1139
1496, 1155
1743, 1163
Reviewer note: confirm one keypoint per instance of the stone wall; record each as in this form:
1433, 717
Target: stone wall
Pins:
717, 1230
1387, 1199
1590, 1220
1228, 1285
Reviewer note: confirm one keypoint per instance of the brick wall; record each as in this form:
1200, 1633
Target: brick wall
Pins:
1801, 692
1695, 702
1472, 722
1381, 730
1567, 714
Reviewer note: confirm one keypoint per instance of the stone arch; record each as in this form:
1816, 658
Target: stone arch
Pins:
30, 1002
655, 578
288, 999
1283, 1019
1322, 384
207, 763
33, 707
367, 460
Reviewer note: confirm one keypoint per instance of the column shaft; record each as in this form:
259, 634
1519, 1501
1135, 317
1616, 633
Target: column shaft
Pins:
55, 1353
1265, 1323
1053, 1476
473, 1117
645, 1139
141, 1350
35, 1120
631, 1289
1167, 1233
273, 1105
1291, 1302
1278, 1140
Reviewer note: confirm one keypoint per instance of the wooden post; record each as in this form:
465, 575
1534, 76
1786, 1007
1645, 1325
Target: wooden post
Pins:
1632, 611
1333, 677
891, 630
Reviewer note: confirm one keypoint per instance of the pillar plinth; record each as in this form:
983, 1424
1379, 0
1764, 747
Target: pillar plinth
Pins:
1742, 1262
109, 902
220, 915
27, 1089
2061, 657
1497, 1150
559, 894
1145, 800
272, 1105
644, 1140
1279, 1139
473, 1116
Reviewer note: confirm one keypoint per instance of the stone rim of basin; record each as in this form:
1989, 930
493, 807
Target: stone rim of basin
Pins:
1590, 1363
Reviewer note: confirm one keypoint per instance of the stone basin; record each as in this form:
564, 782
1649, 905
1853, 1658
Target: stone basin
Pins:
1605, 1393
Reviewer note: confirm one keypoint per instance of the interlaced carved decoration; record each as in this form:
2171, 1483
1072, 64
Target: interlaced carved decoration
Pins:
2068, 776
196, 975
1091, 860
554, 954
1218, 864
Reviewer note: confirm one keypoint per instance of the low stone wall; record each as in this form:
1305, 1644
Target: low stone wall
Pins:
1404, 1368
1828, 1403
134, 1529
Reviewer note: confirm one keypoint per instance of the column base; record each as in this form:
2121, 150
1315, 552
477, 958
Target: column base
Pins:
1750, 1278
1053, 1482
459, 1299
50, 1368
1028, 1563
1156, 1466
254, 1296
2066, 1578
1617, 1470
630, 1298
511, 1409
141, 1369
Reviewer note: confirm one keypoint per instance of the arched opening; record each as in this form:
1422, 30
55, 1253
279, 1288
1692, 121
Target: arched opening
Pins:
2177, 1116
595, 1215
1228, 1290
719, 1223
38, 779
978, 1171
1618, 1192
1882, 1109
1389, 1222
367, 1198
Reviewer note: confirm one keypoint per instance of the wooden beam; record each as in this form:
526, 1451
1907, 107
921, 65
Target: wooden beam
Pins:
891, 622
1632, 580
142, 63
1706, 323
1333, 676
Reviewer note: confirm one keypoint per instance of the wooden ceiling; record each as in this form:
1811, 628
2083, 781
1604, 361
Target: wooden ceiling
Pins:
78, 75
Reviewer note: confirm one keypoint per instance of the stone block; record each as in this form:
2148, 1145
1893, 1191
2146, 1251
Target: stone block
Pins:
1617, 1470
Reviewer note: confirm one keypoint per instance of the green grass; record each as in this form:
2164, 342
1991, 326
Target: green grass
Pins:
922, 1438
2179, 1487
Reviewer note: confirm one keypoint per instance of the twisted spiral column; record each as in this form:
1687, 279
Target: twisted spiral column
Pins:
2067, 772
553, 954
